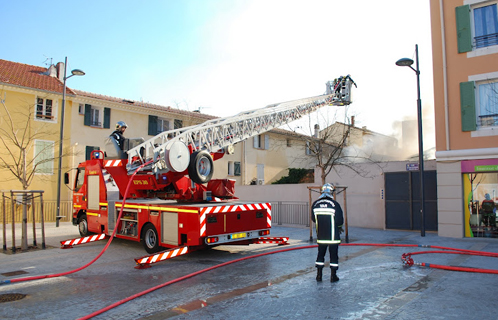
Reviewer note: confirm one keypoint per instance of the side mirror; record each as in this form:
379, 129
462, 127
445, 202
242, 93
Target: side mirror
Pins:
66, 178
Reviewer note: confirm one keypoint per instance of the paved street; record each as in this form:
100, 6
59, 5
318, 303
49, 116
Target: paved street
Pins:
374, 283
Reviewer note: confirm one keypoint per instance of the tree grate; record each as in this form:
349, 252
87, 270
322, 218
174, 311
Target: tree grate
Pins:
8, 297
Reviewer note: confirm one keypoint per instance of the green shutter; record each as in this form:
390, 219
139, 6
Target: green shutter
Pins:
88, 151
152, 125
468, 106
178, 124
107, 118
464, 35
88, 115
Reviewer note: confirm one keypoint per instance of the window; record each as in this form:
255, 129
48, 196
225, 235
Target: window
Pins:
80, 178
487, 111
289, 143
44, 157
261, 141
308, 148
158, 125
97, 116
162, 125
479, 102
485, 26
477, 27
44, 109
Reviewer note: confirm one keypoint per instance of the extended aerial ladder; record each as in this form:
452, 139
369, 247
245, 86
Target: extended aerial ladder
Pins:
192, 149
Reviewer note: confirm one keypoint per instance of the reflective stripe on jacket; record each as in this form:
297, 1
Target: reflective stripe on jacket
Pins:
328, 217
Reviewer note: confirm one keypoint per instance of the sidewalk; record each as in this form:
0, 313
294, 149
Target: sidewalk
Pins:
53, 234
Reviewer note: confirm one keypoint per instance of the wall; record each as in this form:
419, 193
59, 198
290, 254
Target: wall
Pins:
365, 207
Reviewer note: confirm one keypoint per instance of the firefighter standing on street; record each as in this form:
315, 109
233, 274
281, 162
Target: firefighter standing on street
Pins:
328, 218
118, 133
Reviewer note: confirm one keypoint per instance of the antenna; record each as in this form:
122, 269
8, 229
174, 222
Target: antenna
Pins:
46, 61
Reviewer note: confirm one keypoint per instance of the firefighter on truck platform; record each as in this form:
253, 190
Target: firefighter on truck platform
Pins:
328, 218
118, 134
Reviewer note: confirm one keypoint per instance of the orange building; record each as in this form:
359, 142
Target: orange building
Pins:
465, 63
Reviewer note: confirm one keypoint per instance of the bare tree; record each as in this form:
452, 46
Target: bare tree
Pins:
18, 135
331, 147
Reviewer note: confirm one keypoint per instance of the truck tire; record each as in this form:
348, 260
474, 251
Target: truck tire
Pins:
83, 226
200, 168
150, 239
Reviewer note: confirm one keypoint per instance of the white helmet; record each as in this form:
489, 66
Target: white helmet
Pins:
121, 124
327, 190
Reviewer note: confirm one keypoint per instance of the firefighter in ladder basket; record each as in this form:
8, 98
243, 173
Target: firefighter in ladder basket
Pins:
118, 133
328, 218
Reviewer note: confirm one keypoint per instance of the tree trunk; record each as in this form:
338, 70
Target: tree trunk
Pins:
24, 239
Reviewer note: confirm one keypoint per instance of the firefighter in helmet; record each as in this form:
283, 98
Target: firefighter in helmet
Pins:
328, 218
118, 133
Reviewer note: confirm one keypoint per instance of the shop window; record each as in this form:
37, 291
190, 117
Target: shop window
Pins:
481, 201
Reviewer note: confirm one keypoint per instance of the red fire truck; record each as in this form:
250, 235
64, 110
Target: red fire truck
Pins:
164, 185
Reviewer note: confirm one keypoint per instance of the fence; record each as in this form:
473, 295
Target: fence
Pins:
49, 210
296, 213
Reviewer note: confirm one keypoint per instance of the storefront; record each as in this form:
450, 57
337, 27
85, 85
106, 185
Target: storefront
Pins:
480, 196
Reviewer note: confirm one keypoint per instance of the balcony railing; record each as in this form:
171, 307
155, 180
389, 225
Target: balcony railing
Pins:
489, 120
486, 40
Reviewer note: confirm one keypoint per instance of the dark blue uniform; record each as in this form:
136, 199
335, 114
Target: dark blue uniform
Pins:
328, 217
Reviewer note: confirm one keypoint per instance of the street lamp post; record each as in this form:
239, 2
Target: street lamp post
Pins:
406, 62
75, 72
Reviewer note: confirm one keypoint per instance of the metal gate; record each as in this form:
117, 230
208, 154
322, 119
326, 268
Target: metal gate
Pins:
402, 194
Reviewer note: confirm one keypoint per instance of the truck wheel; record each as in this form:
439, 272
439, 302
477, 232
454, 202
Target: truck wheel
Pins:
200, 168
83, 226
150, 239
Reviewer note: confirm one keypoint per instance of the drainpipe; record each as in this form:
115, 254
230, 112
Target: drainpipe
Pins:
445, 78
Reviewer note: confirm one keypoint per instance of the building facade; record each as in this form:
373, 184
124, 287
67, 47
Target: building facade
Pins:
465, 62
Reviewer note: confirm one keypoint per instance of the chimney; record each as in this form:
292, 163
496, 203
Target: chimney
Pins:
60, 71
317, 130
352, 121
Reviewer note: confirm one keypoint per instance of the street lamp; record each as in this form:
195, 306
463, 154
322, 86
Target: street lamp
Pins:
75, 72
406, 62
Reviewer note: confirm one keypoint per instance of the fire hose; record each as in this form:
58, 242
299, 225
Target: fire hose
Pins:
406, 258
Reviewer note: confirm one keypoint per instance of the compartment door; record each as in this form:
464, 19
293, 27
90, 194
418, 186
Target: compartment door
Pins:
169, 227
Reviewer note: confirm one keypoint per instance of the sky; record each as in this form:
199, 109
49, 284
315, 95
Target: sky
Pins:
228, 56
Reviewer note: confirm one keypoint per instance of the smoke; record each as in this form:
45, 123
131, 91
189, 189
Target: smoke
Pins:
400, 145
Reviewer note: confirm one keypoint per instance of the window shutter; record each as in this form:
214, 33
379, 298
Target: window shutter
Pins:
267, 142
256, 142
468, 106
107, 118
88, 115
152, 125
464, 35
88, 151
178, 124
236, 169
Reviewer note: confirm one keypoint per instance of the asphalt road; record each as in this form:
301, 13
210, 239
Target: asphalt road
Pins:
374, 283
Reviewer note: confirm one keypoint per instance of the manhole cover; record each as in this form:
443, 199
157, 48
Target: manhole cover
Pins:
7, 297
13, 273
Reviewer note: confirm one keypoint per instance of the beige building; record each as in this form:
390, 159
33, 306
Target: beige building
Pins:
465, 60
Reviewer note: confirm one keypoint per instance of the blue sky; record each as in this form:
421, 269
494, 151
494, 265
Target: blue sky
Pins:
227, 56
